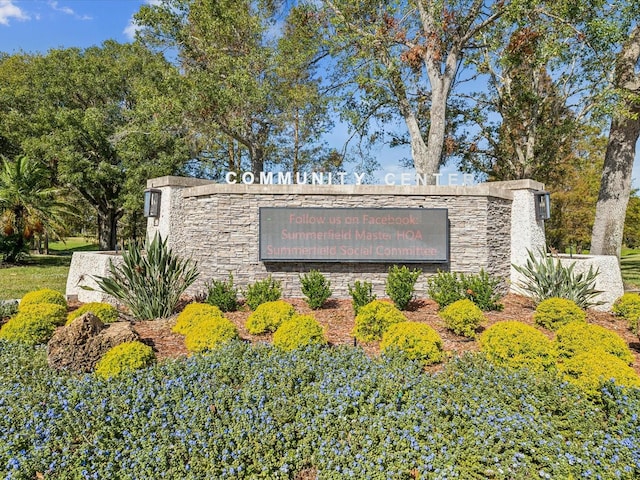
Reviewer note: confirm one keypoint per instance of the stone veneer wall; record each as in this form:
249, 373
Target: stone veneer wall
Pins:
217, 225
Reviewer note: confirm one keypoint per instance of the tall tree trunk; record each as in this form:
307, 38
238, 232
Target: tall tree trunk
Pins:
615, 187
107, 229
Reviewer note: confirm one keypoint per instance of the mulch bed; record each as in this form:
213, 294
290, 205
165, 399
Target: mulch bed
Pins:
338, 319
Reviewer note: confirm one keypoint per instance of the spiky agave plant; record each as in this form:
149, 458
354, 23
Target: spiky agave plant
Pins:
149, 283
546, 277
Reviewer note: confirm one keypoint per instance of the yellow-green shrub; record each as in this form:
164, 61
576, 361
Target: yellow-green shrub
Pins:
193, 314
123, 358
591, 369
579, 337
45, 295
417, 341
553, 313
374, 318
105, 312
516, 345
299, 331
628, 307
462, 317
209, 334
268, 316
34, 323
50, 312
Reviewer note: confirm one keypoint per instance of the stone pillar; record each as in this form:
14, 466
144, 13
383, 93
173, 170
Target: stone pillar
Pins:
527, 233
171, 220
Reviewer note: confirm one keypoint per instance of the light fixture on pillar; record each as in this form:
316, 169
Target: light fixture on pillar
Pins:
543, 205
152, 202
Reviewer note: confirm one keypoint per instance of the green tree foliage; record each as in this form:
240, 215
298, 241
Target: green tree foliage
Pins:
29, 205
632, 222
251, 91
401, 60
574, 194
101, 119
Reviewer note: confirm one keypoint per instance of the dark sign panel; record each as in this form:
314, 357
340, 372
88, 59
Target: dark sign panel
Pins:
407, 235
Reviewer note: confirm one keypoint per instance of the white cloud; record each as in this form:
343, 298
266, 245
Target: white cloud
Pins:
68, 11
131, 28
9, 10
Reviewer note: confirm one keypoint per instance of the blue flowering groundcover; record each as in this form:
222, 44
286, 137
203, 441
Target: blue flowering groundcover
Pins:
251, 411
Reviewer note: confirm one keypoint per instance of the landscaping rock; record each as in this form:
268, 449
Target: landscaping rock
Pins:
81, 344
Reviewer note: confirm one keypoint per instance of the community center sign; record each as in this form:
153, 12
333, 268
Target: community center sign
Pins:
407, 235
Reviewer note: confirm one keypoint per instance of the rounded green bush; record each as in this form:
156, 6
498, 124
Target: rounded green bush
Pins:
628, 307
553, 313
374, 318
299, 331
515, 344
50, 312
268, 316
462, 317
27, 327
45, 295
416, 340
105, 312
211, 333
193, 314
579, 337
123, 358
589, 370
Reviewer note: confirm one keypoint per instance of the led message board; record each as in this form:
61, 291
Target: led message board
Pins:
388, 235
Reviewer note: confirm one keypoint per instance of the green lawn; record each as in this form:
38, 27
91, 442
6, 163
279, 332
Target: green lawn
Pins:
42, 271
630, 266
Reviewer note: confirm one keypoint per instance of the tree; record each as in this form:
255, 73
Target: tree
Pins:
250, 79
29, 204
632, 222
404, 58
524, 126
100, 117
574, 190
615, 187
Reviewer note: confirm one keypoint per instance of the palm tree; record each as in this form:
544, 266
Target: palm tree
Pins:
29, 204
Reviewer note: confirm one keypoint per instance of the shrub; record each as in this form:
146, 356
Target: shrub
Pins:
263, 291
45, 295
316, 288
516, 345
361, 295
52, 312
400, 285
124, 358
628, 307
223, 294
579, 337
482, 289
444, 288
416, 341
373, 320
553, 313
105, 312
28, 329
268, 316
210, 334
591, 369
194, 314
299, 331
462, 317
546, 277
149, 285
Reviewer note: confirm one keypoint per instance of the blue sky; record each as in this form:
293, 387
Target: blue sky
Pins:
39, 25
